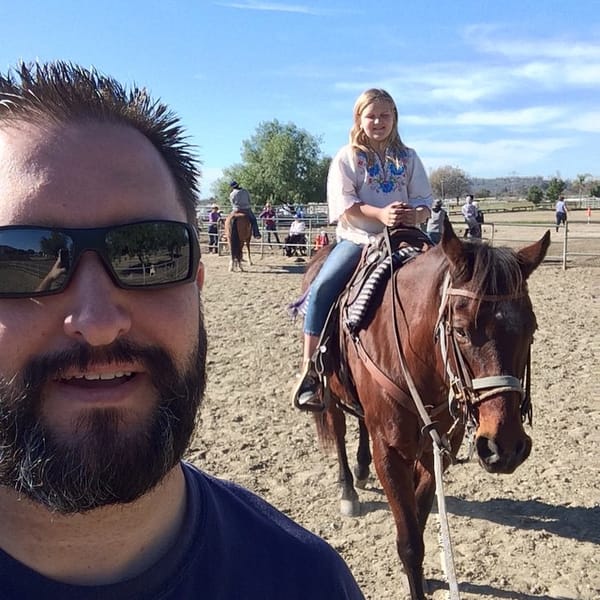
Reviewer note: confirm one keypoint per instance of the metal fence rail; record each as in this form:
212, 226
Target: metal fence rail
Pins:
565, 247
574, 241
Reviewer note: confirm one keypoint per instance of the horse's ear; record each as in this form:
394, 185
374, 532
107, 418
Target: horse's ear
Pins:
452, 246
531, 256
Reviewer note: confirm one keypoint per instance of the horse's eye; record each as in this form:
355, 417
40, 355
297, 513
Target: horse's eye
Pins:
461, 332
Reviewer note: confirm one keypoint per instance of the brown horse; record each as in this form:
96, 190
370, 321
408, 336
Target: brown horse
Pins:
451, 330
238, 231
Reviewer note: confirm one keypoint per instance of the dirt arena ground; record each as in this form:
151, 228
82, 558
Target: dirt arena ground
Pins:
534, 534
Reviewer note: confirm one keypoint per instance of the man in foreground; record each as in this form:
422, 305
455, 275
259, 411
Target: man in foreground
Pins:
102, 366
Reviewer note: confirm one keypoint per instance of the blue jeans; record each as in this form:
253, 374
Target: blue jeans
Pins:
329, 282
434, 236
248, 212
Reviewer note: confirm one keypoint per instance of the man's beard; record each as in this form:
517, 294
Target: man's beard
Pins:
104, 461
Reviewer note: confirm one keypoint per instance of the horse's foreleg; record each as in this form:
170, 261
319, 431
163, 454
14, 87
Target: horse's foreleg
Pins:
349, 504
424, 492
363, 456
249, 257
396, 476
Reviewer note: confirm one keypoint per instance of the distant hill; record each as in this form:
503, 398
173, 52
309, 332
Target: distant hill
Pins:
513, 186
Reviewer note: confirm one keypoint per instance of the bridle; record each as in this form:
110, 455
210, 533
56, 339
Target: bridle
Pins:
466, 392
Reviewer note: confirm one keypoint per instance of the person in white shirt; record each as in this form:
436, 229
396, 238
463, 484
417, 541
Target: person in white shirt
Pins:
469, 212
561, 212
296, 238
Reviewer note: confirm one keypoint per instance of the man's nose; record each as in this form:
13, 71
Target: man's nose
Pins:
97, 313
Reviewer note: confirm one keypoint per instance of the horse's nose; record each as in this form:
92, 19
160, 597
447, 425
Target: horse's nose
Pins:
495, 459
488, 452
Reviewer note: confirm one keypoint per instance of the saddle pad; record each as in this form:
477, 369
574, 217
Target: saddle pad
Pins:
357, 302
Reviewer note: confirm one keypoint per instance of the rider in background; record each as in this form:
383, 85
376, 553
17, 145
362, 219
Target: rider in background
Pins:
374, 182
240, 202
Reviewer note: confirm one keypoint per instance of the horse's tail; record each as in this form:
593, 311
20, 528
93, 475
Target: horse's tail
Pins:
325, 429
235, 246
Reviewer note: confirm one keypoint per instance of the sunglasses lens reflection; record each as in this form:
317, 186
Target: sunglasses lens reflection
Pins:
37, 261
28, 257
148, 254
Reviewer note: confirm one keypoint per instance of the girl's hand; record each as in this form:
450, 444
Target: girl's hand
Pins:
397, 214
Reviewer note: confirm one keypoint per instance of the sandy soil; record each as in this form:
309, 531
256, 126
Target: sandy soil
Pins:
533, 534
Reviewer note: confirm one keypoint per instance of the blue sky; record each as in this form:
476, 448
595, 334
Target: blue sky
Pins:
495, 88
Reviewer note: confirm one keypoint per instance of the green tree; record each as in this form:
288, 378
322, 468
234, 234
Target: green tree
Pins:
555, 188
280, 163
595, 189
51, 245
535, 195
449, 182
580, 183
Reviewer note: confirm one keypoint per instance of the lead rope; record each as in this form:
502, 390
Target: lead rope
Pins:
440, 448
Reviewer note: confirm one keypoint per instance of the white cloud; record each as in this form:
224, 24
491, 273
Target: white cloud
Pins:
520, 118
588, 122
493, 158
275, 7
494, 40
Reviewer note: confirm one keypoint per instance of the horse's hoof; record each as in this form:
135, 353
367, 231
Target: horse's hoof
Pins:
350, 508
361, 484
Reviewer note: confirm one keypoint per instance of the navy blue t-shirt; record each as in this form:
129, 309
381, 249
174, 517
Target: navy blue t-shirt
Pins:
233, 546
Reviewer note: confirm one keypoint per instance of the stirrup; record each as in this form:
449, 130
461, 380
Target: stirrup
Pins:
314, 401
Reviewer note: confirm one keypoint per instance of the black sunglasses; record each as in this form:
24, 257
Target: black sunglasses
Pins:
38, 261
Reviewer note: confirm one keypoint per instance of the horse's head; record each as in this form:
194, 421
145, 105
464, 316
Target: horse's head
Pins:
489, 325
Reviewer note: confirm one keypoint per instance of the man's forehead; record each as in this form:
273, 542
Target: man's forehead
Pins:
89, 170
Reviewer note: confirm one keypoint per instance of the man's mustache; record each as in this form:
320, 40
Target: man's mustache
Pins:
47, 367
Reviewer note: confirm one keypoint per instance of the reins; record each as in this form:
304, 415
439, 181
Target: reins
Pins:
464, 392
441, 447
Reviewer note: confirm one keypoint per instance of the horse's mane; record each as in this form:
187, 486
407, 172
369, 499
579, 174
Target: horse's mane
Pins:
489, 270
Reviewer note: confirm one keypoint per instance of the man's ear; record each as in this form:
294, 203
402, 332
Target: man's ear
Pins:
200, 276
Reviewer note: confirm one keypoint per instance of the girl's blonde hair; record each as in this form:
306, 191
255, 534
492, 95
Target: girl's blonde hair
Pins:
359, 139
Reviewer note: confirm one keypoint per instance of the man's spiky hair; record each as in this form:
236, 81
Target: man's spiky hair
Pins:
62, 92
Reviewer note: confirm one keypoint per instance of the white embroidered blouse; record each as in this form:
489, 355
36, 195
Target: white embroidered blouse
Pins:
350, 180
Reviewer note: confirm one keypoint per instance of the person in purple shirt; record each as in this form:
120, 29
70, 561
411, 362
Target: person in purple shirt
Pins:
214, 216
268, 217
103, 369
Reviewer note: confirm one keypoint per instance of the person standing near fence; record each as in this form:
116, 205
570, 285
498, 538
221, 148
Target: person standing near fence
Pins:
469, 213
268, 217
321, 240
436, 222
214, 216
561, 212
